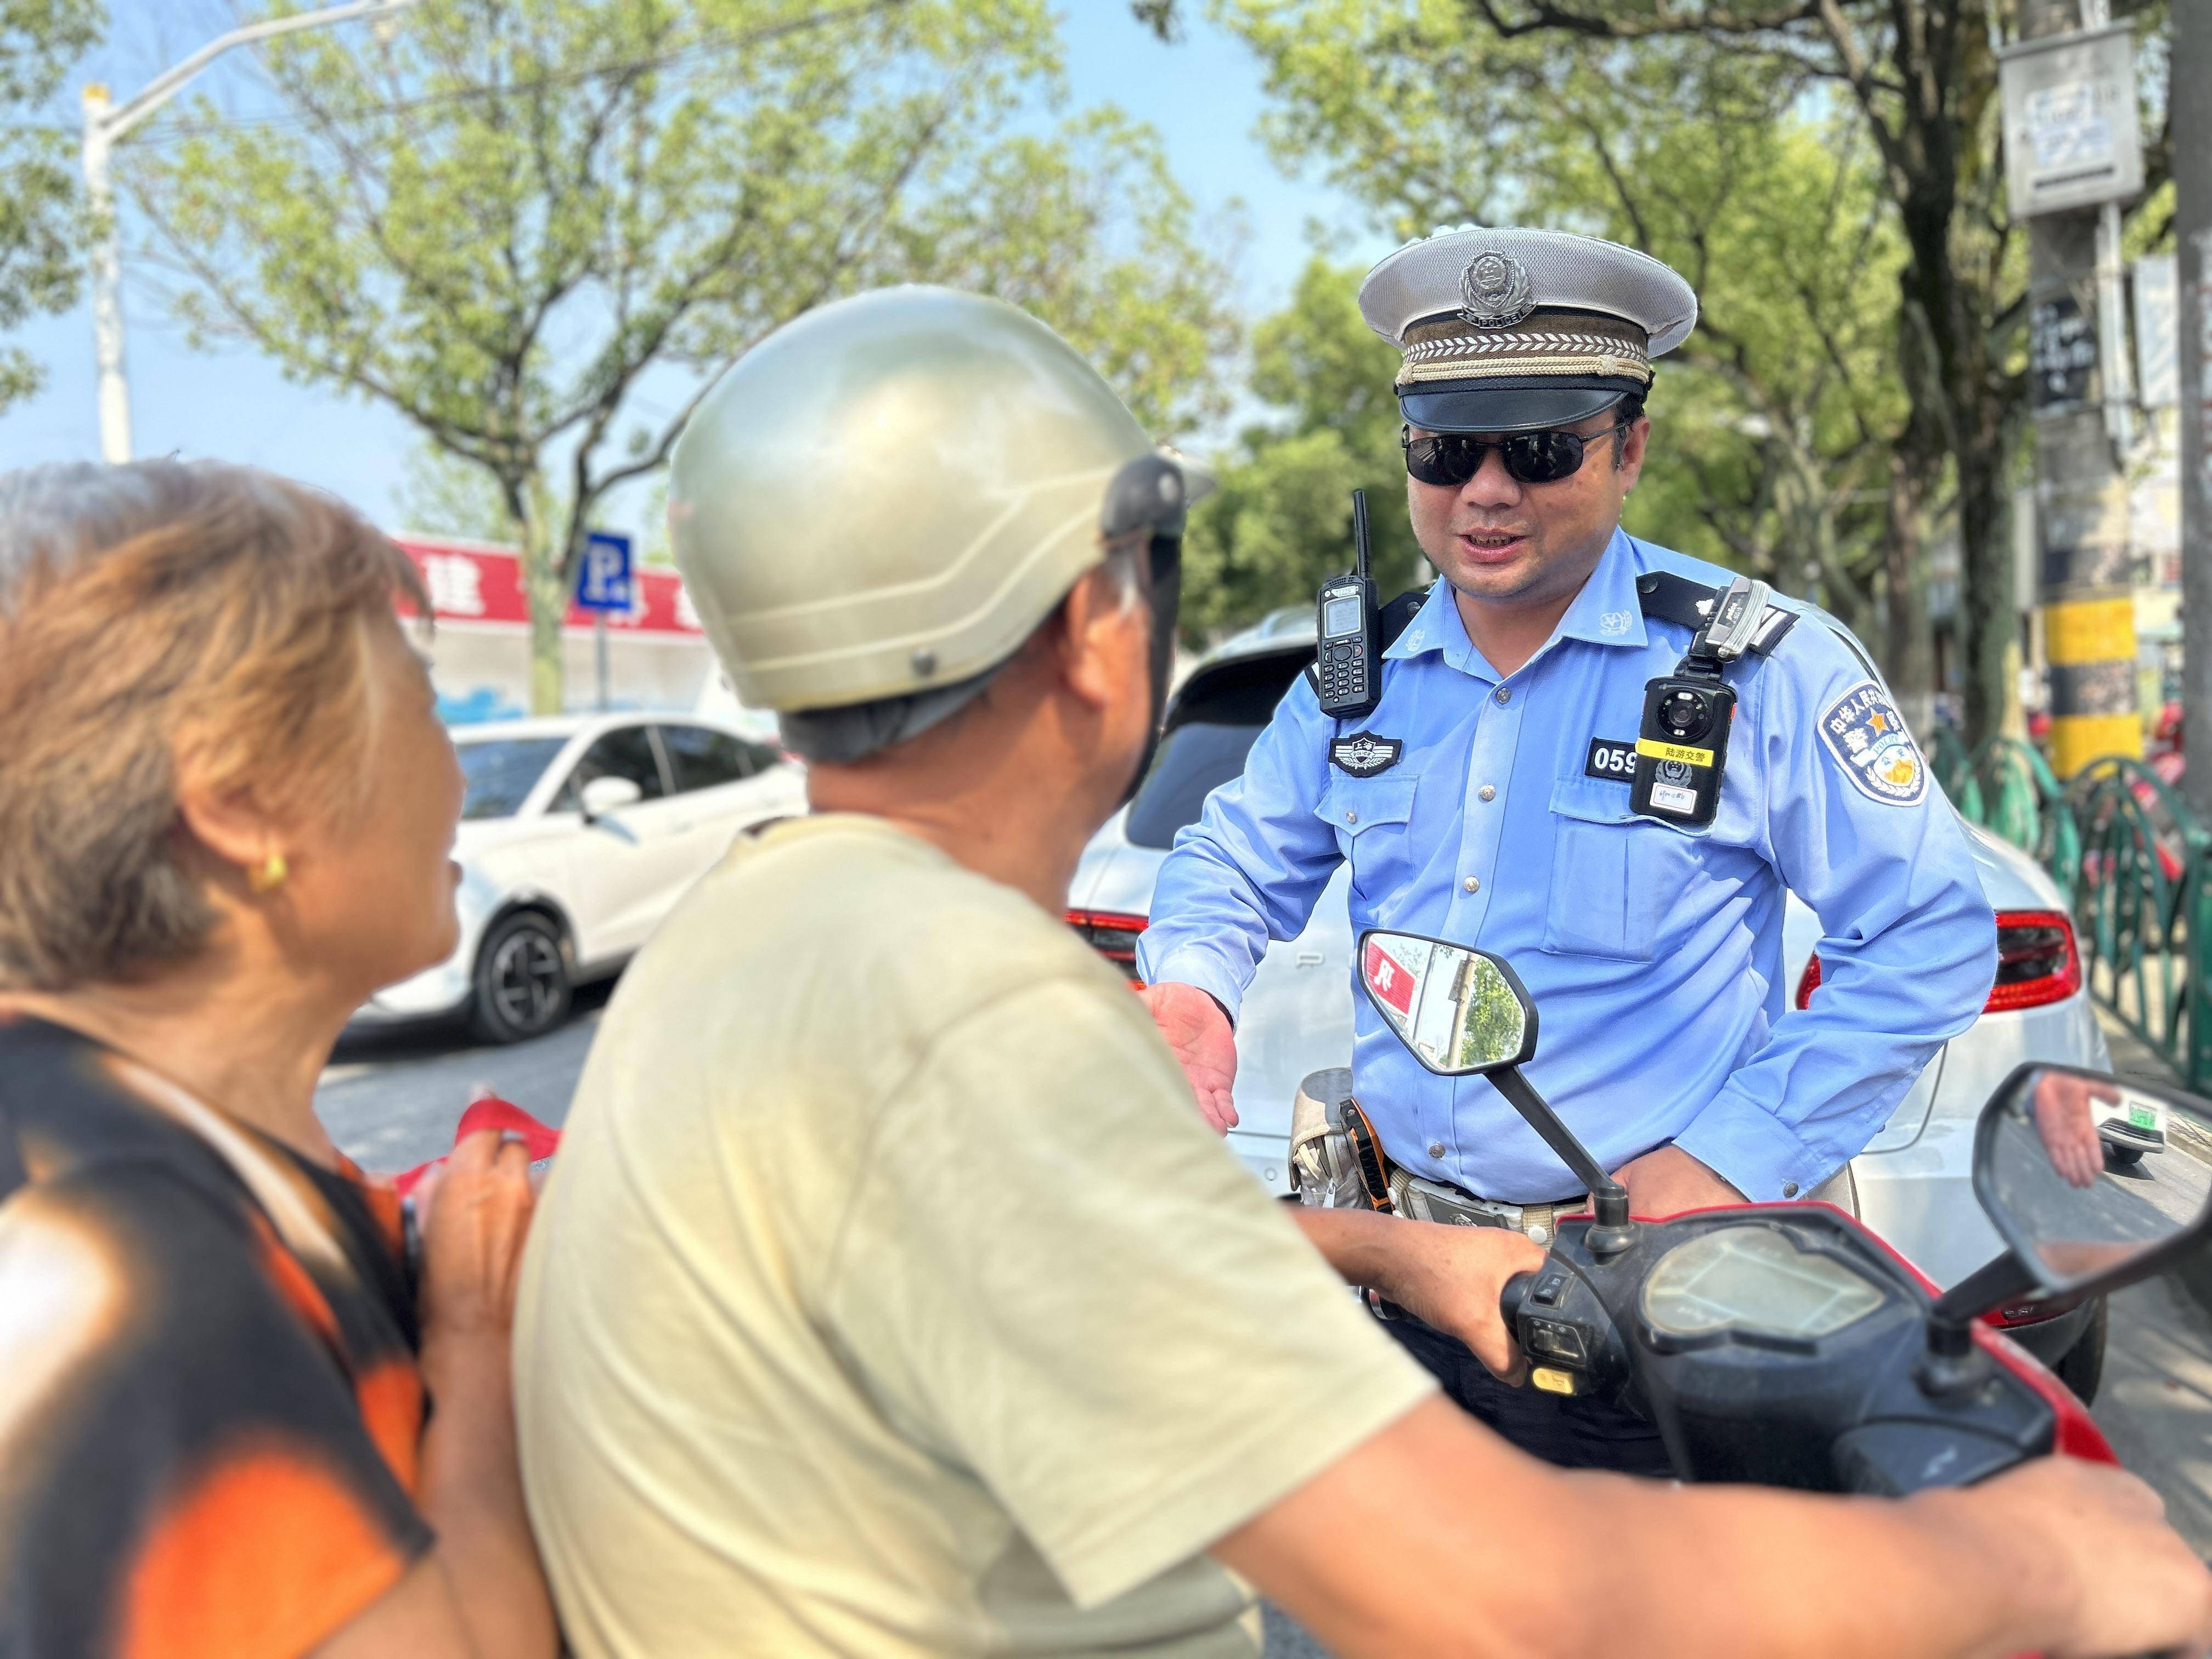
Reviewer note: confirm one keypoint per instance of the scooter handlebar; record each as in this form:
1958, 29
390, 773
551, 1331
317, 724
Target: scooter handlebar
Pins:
1511, 1295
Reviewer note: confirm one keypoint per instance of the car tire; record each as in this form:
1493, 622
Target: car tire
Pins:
521, 988
2081, 1367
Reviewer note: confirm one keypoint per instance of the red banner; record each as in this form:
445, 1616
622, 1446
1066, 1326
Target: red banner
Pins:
1390, 980
468, 582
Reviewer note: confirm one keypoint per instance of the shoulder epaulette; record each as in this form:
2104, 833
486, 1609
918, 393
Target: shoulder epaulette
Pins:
1669, 598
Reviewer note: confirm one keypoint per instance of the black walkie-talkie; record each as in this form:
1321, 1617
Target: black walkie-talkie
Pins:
1345, 663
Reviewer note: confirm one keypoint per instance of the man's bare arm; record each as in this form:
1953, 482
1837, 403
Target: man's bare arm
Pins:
1448, 1277
1436, 1537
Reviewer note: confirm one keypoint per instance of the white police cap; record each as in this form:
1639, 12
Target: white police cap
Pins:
1507, 330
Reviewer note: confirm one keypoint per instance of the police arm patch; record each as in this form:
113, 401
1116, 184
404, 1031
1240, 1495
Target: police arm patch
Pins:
1866, 734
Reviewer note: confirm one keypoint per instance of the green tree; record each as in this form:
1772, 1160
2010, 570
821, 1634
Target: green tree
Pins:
1772, 425
1388, 91
40, 227
539, 228
1281, 521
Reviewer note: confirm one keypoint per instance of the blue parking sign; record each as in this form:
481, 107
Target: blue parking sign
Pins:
603, 574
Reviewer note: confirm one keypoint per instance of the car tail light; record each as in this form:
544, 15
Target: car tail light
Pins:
2015, 1314
1113, 934
1809, 980
2037, 962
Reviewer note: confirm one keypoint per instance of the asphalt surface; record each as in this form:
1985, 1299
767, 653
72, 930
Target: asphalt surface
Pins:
392, 1097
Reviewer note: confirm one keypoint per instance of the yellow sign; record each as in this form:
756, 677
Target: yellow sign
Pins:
2090, 630
2077, 740
1674, 752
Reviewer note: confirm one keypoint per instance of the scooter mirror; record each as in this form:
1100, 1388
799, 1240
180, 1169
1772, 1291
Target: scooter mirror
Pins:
1461, 1011
2094, 1180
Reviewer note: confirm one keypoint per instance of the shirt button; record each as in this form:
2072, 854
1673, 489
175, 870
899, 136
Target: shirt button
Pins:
1489, 793
1473, 883
1788, 1190
1435, 1149
1505, 694
1352, 817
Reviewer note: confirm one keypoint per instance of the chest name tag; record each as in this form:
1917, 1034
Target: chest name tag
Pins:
1609, 759
1363, 754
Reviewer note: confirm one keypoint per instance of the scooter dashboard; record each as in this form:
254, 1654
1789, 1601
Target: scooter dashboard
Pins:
1775, 1345
1754, 1282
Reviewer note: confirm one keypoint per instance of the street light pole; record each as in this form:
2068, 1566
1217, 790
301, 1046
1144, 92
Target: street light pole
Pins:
107, 125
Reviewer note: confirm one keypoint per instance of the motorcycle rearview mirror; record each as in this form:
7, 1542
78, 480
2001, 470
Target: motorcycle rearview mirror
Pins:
1464, 1012
2091, 1181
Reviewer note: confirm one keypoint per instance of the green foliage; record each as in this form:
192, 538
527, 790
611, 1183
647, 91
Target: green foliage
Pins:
1281, 521
1772, 425
41, 230
538, 229
1493, 1019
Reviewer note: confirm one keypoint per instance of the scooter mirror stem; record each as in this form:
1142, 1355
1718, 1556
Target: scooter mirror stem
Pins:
1952, 1362
1614, 1231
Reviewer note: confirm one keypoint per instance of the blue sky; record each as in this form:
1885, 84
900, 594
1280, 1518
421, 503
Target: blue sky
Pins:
1204, 94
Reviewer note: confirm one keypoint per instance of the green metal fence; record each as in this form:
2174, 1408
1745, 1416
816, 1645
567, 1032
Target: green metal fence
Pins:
2135, 871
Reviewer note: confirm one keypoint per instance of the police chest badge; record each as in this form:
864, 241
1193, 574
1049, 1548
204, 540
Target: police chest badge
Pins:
1363, 754
1865, 733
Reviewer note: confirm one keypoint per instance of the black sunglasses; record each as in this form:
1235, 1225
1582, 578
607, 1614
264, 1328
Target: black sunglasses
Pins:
1451, 459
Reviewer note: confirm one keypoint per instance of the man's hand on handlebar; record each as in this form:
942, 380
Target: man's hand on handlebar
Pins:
2094, 1534
1451, 1278
1204, 1044
1447, 1277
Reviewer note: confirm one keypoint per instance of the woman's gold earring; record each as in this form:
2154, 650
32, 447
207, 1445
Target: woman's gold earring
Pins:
270, 876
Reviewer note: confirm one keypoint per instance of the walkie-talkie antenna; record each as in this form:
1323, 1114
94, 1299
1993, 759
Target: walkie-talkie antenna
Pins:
1360, 532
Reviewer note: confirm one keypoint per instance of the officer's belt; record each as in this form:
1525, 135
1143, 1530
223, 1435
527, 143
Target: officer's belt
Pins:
1395, 1190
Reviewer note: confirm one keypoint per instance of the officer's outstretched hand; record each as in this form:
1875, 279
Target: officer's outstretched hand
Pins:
1200, 1034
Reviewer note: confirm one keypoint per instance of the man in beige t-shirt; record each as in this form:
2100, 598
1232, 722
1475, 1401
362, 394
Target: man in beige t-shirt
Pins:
889, 1297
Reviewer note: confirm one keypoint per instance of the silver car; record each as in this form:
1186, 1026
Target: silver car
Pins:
1914, 1180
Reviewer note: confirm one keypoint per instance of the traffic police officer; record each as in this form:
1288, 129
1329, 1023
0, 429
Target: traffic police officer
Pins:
1486, 800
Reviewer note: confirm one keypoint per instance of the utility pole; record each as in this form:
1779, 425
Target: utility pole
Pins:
107, 125
2062, 131
2190, 101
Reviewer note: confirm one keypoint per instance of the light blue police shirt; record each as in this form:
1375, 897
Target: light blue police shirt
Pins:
1653, 952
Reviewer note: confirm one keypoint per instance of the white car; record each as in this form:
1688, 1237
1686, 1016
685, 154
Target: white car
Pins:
1914, 1183
578, 834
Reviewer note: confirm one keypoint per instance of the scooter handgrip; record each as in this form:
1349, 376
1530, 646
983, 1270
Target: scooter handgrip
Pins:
1511, 1295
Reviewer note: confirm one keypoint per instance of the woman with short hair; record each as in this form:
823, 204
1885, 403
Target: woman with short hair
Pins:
227, 807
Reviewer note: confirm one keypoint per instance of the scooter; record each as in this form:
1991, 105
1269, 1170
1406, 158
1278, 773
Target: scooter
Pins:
1784, 1344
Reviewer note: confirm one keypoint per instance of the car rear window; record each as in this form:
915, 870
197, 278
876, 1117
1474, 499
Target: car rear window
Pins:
1194, 760
500, 772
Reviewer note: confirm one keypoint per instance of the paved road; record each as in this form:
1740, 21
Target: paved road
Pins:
391, 1099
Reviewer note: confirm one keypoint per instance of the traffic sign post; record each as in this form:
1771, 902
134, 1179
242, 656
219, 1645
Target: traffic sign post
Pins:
605, 582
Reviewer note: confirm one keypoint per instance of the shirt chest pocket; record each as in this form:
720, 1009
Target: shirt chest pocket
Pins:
1613, 873
1370, 817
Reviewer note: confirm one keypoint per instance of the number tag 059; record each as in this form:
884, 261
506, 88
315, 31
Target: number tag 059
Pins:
1609, 759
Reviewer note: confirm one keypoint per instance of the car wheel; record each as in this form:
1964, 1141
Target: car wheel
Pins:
521, 980
2081, 1367
2123, 1157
